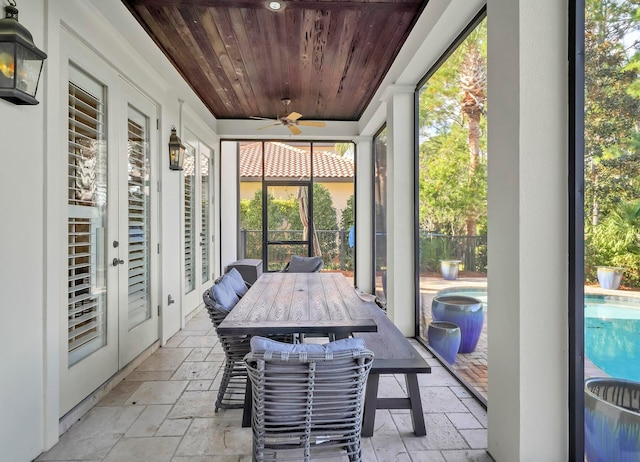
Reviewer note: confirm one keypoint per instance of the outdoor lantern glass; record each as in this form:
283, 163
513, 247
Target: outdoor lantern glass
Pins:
20, 61
176, 151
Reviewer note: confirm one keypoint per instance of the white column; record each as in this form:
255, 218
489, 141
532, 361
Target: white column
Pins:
527, 236
364, 214
400, 208
228, 203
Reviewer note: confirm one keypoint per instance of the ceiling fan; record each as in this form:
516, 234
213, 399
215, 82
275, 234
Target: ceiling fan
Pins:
291, 121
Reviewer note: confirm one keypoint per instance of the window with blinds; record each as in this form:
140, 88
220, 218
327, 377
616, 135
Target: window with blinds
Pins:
189, 219
87, 206
138, 208
206, 240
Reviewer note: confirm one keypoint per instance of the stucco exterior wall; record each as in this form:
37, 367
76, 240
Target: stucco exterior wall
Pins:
22, 272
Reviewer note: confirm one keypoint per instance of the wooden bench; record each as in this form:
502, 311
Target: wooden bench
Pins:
394, 354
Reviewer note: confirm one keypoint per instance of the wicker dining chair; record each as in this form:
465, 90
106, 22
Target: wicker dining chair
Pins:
307, 398
234, 378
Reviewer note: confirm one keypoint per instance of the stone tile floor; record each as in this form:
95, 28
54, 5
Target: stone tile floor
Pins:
164, 411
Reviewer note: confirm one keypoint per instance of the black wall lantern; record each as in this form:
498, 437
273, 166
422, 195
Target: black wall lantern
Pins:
20, 60
176, 151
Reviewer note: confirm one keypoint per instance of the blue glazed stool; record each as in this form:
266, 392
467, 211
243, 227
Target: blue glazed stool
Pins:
465, 312
444, 338
612, 420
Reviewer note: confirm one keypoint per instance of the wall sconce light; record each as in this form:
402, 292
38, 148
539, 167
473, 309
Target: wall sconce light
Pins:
20, 60
176, 151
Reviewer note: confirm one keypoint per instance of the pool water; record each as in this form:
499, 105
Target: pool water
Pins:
612, 336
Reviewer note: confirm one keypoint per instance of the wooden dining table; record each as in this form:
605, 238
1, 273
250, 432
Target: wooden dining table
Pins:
303, 303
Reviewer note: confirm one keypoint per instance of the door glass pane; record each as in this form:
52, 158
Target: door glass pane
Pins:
452, 221
205, 235
380, 211
189, 219
87, 207
138, 208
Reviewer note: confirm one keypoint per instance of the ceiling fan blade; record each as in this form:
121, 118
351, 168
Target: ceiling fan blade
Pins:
267, 126
311, 123
294, 116
261, 118
293, 129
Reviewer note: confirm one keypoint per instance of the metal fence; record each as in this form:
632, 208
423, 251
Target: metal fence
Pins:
471, 250
336, 253
334, 244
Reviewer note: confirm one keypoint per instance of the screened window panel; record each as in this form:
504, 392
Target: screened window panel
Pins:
87, 205
189, 219
139, 307
380, 211
205, 242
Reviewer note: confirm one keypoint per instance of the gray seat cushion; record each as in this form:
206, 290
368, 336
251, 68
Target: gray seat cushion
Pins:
347, 344
236, 282
304, 264
224, 294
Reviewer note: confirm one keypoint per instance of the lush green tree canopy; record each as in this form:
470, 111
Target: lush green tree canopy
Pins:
452, 152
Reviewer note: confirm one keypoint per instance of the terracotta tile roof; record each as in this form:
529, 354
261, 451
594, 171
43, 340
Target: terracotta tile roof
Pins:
285, 161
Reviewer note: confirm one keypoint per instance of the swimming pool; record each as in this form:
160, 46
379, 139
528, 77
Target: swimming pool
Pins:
612, 335
612, 331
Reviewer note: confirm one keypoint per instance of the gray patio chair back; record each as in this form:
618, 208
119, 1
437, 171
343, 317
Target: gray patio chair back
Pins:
234, 378
232, 386
308, 400
299, 264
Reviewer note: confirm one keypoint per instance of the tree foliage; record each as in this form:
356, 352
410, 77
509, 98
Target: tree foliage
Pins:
452, 153
616, 242
612, 101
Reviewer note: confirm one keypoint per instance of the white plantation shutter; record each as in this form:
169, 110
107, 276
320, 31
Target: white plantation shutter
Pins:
205, 234
87, 202
138, 220
189, 219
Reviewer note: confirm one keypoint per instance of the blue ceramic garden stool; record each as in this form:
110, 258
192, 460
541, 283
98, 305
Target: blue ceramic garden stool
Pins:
465, 312
444, 338
611, 420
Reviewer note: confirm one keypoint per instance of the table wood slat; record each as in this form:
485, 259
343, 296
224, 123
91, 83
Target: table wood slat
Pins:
318, 303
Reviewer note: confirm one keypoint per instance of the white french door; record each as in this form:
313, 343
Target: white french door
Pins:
138, 250
197, 229
112, 239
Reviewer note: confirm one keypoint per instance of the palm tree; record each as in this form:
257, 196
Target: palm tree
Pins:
473, 81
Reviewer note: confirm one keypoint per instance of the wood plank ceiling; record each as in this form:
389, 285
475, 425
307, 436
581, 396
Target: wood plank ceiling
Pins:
242, 59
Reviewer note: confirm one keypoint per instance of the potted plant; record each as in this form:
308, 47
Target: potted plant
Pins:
609, 277
612, 419
449, 269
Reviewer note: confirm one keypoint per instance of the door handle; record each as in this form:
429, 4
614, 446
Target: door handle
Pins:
117, 262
